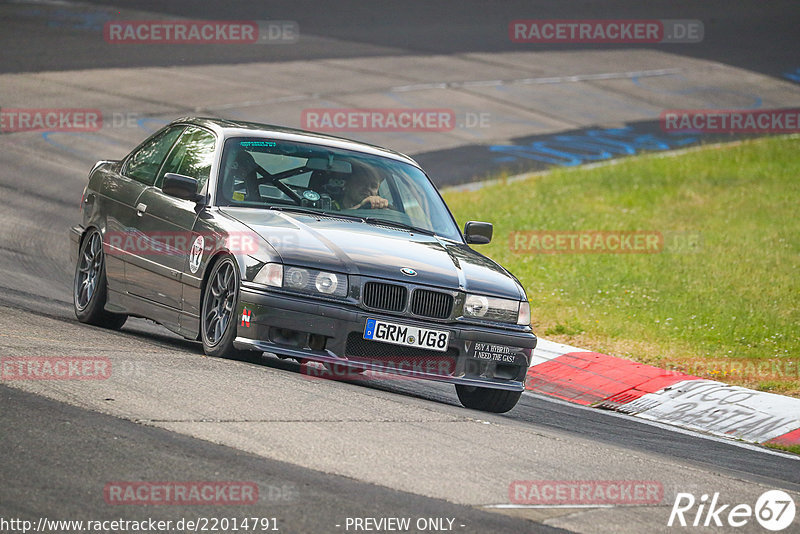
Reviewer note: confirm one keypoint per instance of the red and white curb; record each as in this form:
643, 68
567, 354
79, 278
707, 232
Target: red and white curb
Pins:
602, 381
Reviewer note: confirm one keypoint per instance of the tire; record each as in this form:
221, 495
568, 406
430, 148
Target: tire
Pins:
218, 314
487, 399
89, 287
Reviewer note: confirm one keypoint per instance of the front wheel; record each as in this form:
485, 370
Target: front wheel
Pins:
487, 399
89, 288
218, 324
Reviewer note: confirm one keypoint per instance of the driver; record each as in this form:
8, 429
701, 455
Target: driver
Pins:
361, 190
243, 169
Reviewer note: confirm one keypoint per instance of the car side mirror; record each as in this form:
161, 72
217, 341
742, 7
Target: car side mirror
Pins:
180, 186
478, 233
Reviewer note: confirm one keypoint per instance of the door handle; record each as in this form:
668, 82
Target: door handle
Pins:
140, 209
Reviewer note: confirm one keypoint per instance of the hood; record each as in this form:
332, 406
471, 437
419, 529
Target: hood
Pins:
358, 248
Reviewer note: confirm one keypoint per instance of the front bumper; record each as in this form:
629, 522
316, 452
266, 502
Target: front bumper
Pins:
309, 329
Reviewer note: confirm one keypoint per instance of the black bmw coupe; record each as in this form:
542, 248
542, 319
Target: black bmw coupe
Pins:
251, 237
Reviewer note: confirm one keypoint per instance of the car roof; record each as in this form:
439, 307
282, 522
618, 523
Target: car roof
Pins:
228, 128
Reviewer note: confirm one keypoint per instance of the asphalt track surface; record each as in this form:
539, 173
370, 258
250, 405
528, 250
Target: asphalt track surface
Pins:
93, 449
373, 448
752, 35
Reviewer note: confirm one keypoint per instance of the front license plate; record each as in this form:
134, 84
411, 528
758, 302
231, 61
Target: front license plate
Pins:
409, 336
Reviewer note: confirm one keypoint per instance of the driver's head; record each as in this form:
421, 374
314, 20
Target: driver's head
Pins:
364, 182
243, 164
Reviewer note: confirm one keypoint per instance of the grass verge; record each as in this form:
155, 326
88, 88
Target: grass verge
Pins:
720, 298
787, 448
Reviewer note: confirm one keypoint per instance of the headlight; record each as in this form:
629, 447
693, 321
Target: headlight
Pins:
326, 283
494, 309
302, 280
476, 306
296, 278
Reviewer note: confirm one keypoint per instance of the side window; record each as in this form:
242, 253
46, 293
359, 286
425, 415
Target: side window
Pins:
143, 164
192, 156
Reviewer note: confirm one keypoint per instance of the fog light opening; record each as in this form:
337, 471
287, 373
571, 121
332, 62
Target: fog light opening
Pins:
285, 336
317, 342
506, 372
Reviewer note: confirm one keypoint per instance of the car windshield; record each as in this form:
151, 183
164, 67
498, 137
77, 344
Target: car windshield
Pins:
278, 174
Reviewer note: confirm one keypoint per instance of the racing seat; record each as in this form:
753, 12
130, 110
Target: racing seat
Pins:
244, 168
247, 172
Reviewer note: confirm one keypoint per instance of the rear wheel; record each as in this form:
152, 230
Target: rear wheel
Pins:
89, 291
220, 297
487, 399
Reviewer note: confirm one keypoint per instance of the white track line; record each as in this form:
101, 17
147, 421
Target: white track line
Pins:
513, 506
538, 81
